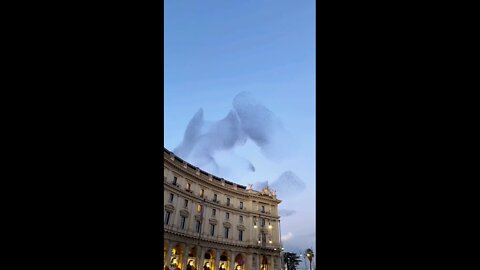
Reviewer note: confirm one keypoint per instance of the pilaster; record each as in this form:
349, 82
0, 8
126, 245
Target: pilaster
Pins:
185, 256
217, 259
169, 253
232, 260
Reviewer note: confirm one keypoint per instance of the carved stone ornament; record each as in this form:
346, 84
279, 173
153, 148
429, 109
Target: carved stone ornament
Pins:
169, 208
184, 213
267, 191
213, 221
227, 225
241, 227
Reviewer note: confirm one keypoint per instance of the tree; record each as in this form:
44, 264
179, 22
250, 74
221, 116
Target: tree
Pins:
291, 260
309, 255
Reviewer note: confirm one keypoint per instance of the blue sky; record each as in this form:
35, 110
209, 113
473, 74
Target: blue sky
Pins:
216, 49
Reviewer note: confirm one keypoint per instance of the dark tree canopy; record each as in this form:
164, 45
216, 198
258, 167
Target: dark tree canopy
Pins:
291, 260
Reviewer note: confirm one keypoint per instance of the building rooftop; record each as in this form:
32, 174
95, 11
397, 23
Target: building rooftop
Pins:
202, 171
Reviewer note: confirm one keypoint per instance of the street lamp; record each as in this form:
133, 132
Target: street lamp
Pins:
309, 254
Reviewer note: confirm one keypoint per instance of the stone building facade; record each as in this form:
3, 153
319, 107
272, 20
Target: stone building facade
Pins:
213, 224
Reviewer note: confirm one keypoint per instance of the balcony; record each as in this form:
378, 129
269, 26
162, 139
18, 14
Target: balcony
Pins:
205, 235
262, 243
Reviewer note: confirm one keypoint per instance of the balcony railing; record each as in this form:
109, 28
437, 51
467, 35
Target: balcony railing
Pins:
205, 236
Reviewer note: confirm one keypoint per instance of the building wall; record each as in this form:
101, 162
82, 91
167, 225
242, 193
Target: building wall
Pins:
187, 241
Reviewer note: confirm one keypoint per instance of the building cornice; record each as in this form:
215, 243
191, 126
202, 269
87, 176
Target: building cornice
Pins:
221, 244
212, 180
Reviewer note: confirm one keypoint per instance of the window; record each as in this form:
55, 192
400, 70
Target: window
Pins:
198, 226
263, 222
241, 205
214, 197
174, 180
199, 208
182, 222
227, 216
241, 219
228, 201
240, 235
226, 232
167, 217
171, 197
263, 208
185, 204
188, 186
202, 192
212, 229
214, 211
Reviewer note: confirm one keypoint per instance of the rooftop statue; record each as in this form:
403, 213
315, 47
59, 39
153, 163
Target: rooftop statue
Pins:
267, 191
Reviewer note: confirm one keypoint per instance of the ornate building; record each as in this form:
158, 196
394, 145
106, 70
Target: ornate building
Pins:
214, 224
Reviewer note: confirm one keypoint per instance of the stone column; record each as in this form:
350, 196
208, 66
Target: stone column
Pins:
200, 253
169, 254
278, 264
167, 243
185, 256
217, 260
232, 261
271, 263
248, 262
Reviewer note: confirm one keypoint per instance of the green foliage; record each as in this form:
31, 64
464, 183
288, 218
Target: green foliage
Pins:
291, 260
